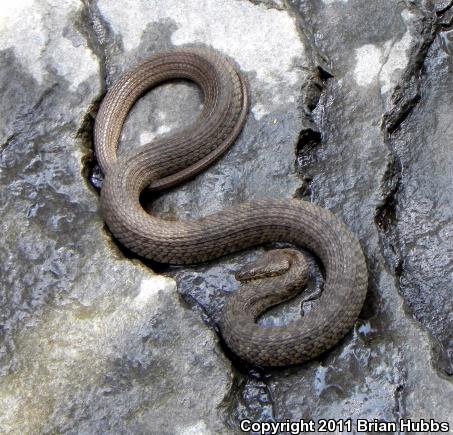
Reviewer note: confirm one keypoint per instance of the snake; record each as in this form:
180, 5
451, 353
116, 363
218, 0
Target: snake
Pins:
170, 159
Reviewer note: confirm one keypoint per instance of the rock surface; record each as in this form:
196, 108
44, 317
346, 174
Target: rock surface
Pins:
350, 109
91, 342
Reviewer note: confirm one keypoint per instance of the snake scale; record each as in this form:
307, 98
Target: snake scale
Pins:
169, 160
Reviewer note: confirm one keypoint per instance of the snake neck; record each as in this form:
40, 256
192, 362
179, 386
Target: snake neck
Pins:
256, 296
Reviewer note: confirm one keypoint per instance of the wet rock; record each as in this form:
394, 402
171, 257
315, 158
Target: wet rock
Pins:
384, 368
346, 112
420, 229
90, 341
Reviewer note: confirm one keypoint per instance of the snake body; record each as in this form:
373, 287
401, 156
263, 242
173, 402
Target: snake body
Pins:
170, 160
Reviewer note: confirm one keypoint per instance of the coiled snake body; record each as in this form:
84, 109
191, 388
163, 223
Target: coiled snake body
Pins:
170, 160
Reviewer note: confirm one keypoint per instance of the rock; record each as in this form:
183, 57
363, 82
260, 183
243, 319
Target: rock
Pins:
419, 219
384, 368
91, 342
349, 109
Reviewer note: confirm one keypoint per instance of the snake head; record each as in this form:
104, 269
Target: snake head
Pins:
272, 263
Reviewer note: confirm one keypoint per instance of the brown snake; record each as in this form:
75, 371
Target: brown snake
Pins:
169, 160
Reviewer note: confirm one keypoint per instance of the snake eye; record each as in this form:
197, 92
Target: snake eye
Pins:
272, 263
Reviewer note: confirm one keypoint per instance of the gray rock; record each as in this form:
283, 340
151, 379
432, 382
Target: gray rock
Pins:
417, 218
387, 372
91, 342
349, 110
